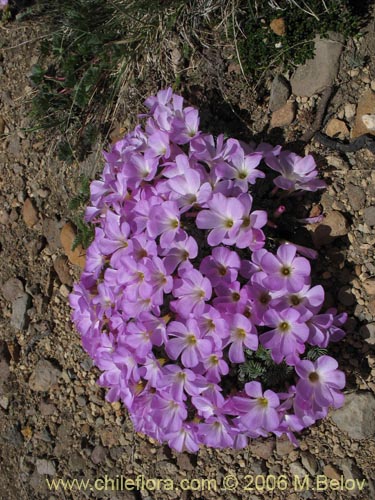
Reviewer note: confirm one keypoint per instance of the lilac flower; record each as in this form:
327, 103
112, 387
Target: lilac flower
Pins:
296, 172
320, 382
188, 342
242, 168
178, 381
168, 413
167, 320
242, 334
259, 410
188, 189
221, 266
216, 432
165, 221
249, 233
184, 439
215, 367
223, 217
285, 271
192, 290
182, 250
288, 336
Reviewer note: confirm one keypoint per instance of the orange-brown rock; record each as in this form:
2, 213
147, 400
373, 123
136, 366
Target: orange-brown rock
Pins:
29, 213
278, 26
67, 237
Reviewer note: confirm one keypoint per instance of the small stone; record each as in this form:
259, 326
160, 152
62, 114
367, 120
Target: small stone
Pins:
356, 417
369, 286
331, 472
297, 470
44, 376
366, 106
98, 454
67, 237
51, 231
349, 111
367, 332
369, 216
45, 467
309, 462
184, 462
47, 409
356, 197
20, 305
263, 449
4, 402
280, 92
283, 446
12, 289
278, 26
337, 129
369, 121
61, 267
109, 437
284, 116
29, 213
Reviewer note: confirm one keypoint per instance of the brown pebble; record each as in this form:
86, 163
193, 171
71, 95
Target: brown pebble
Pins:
284, 116
29, 213
61, 267
67, 237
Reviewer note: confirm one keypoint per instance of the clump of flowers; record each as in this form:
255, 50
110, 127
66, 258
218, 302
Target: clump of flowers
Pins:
180, 283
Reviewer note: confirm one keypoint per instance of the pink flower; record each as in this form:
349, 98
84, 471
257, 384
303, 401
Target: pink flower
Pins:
188, 342
192, 290
165, 221
285, 271
242, 334
320, 382
287, 338
259, 410
223, 217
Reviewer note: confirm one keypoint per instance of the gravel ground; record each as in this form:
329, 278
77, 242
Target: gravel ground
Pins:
54, 420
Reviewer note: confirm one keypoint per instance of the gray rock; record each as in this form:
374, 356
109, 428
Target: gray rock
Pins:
44, 376
46, 467
356, 417
98, 454
296, 469
367, 332
12, 289
356, 197
20, 305
309, 462
280, 92
369, 216
320, 72
51, 231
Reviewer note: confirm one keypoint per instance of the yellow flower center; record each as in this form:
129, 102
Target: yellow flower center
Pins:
191, 339
240, 333
284, 326
263, 402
